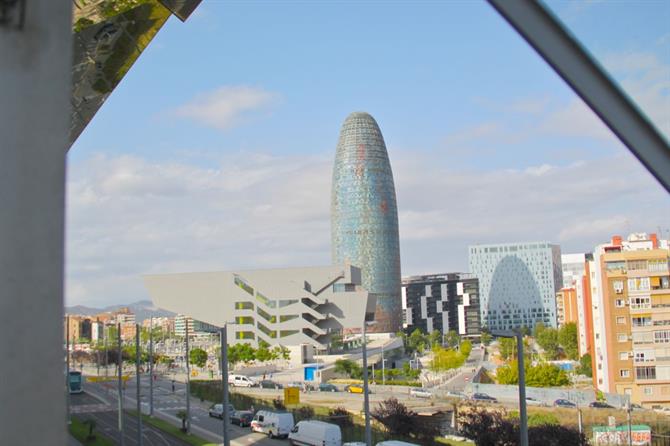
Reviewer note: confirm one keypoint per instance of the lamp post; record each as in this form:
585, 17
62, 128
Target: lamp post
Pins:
224, 382
188, 384
523, 417
366, 397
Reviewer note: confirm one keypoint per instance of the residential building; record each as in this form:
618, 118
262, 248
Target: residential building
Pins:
576, 275
631, 300
566, 306
290, 306
165, 324
195, 327
442, 302
364, 216
517, 283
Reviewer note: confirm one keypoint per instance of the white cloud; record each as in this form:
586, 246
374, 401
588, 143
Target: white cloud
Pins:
226, 107
128, 216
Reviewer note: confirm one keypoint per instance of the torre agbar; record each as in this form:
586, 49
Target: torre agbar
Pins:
365, 216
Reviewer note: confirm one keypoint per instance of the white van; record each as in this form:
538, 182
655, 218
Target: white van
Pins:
241, 381
395, 443
274, 424
315, 433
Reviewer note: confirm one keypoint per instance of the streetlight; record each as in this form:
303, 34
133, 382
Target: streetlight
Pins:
366, 397
224, 382
523, 419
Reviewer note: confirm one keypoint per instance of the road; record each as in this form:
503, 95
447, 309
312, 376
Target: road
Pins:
166, 406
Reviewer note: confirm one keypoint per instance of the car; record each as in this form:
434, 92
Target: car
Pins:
456, 394
241, 381
564, 403
216, 411
483, 397
418, 392
355, 388
600, 405
325, 387
533, 402
274, 424
301, 385
268, 384
636, 407
315, 433
242, 418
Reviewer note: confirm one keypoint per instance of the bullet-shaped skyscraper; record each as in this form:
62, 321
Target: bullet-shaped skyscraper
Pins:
364, 216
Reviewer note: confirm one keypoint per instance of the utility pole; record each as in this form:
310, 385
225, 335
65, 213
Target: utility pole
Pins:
120, 381
628, 419
105, 332
138, 379
366, 397
188, 385
523, 417
67, 368
224, 382
579, 420
383, 367
151, 367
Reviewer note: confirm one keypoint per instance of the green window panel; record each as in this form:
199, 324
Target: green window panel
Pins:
244, 320
267, 316
267, 302
244, 306
245, 286
286, 333
287, 317
244, 335
267, 331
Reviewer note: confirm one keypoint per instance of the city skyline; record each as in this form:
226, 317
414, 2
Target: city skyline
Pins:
232, 170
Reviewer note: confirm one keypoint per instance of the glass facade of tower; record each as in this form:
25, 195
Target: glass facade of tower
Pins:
517, 283
365, 216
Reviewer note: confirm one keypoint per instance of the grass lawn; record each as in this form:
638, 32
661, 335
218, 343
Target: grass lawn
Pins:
173, 430
444, 441
80, 431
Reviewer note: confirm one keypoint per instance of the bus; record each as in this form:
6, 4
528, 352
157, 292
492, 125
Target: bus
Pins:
75, 382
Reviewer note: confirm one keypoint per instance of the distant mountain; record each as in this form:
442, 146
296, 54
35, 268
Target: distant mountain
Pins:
143, 309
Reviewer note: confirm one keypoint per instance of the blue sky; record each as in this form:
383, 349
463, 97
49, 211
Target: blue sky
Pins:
215, 151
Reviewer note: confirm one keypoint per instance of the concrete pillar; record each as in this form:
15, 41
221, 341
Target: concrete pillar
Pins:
35, 67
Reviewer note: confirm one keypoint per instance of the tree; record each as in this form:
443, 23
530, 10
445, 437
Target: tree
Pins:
197, 357
567, 338
496, 428
182, 416
507, 348
452, 339
541, 375
340, 416
485, 337
539, 328
446, 359
435, 338
547, 338
585, 366
241, 353
416, 341
395, 417
91, 426
263, 352
349, 368
336, 342
465, 348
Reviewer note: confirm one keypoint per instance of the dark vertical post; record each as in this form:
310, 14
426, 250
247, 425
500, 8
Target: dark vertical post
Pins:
630, 428
67, 367
120, 381
188, 385
366, 397
151, 367
523, 417
138, 379
224, 382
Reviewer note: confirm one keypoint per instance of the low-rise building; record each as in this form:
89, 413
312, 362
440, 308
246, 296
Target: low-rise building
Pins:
289, 306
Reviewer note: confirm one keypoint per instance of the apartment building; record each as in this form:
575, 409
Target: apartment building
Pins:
566, 306
442, 302
576, 276
631, 298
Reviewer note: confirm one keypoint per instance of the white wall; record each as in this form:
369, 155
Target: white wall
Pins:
35, 66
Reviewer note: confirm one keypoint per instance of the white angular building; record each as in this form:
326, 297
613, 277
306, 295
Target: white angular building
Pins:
517, 283
290, 306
